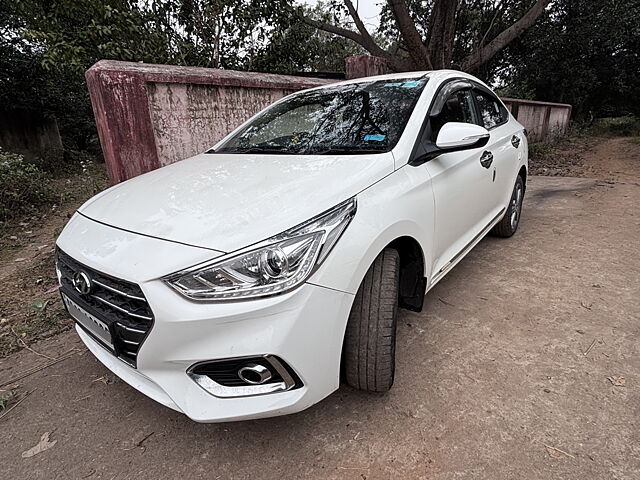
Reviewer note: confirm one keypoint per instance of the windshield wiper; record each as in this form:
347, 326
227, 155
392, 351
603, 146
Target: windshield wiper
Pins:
344, 151
255, 149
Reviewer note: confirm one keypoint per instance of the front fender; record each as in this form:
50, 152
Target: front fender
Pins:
400, 205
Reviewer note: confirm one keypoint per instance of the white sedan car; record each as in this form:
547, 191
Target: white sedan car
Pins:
242, 282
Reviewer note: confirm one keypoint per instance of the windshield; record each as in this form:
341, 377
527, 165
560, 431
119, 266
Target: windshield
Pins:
354, 118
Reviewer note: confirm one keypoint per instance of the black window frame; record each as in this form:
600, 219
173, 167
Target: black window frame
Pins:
420, 154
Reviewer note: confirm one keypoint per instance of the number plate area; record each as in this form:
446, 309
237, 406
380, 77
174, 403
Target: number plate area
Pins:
90, 323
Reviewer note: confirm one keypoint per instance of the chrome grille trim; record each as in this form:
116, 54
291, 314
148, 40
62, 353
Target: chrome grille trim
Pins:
120, 309
129, 329
119, 304
115, 290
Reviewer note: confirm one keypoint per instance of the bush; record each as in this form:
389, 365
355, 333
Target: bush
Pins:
627, 126
23, 187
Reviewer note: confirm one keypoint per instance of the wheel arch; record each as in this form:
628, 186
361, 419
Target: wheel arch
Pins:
522, 173
413, 283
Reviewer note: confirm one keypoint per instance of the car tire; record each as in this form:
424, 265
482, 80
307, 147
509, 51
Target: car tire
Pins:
509, 223
370, 338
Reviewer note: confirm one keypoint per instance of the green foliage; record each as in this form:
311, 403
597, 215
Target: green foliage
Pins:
45, 48
626, 126
23, 187
302, 48
39, 306
539, 149
585, 53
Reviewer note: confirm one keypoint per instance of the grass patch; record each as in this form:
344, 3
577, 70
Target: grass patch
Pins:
627, 126
28, 188
24, 188
4, 401
540, 149
562, 156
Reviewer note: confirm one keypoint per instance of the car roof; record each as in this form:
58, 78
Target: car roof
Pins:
441, 74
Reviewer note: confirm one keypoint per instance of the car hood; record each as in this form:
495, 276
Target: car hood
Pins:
227, 201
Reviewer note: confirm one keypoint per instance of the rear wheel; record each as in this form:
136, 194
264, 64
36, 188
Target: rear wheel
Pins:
370, 338
509, 223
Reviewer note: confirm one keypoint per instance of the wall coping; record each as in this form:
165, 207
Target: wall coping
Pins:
535, 102
204, 76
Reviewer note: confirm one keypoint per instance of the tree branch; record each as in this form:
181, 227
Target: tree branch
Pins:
361, 28
328, 27
499, 10
365, 41
487, 52
417, 50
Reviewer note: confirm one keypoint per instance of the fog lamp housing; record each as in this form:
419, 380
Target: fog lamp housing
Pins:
244, 376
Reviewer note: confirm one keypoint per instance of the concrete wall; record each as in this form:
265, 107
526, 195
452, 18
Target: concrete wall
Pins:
543, 120
358, 66
30, 134
149, 116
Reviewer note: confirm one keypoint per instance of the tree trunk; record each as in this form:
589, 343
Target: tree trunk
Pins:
417, 50
442, 27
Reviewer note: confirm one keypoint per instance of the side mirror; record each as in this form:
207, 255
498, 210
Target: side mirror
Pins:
454, 136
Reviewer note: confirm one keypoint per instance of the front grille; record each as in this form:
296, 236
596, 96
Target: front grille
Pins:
121, 305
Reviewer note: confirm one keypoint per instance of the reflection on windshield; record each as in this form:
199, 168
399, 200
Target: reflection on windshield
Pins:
356, 118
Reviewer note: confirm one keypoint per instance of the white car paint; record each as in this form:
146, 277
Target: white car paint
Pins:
234, 201
207, 206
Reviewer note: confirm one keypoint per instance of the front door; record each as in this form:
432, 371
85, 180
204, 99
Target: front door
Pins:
463, 185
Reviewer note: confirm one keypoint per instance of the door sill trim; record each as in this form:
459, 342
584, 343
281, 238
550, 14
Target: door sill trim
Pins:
467, 248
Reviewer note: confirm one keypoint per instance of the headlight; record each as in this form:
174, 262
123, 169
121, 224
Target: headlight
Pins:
274, 266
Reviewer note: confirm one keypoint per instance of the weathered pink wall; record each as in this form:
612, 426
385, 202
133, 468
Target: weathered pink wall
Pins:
189, 119
149, 116
543, 120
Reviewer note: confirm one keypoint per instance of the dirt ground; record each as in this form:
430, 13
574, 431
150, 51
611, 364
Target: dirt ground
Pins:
524, 364
30, 307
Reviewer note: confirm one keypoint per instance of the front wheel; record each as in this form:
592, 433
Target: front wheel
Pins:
370, 338
509, 223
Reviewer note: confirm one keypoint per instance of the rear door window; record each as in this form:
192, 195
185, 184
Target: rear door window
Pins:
492, 112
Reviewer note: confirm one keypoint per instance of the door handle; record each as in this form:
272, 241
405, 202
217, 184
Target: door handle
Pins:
486, 159
515, 141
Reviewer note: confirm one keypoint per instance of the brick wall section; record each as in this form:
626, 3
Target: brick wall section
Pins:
149, 116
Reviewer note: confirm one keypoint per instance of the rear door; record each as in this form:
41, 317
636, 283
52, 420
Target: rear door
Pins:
503, 145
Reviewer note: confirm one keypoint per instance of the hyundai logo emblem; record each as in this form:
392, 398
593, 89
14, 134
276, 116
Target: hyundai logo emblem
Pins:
82, 282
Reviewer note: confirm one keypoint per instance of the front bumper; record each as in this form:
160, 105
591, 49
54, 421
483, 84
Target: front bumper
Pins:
305, 328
